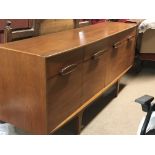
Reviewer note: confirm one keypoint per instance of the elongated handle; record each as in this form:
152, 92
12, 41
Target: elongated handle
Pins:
68, 70
98, 54
130, 38
117, 45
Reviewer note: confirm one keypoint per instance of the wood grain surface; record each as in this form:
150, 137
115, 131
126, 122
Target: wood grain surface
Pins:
56, 43
23, 91
48, 80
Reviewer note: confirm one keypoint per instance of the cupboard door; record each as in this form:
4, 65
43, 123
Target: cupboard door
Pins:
94, 74
64, 90
120, 58
117, 60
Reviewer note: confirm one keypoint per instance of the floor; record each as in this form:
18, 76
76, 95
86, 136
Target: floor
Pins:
110, 115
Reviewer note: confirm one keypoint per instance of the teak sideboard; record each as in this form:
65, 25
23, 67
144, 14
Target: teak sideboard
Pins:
45, 81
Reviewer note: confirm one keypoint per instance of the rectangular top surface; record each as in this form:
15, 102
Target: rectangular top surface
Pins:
56, 43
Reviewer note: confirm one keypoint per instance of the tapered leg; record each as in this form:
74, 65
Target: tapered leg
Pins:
78, 123
117, 88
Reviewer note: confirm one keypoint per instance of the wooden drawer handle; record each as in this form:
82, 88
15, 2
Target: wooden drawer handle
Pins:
67, 70
118, 44
130, 38
98, 54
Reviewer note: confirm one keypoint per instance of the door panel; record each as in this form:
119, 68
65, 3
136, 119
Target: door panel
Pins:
64, 90
94, 74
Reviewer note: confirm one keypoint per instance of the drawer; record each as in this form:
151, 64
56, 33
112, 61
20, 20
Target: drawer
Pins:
64, 96
94, 71
97, 48
123, 37
63, 63
115, 40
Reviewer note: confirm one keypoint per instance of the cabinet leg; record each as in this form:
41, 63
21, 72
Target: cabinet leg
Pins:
78, 123
117, 88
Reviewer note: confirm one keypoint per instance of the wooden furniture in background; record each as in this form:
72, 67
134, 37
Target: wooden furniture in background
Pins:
15, 24
48, 80
40, 27
11, 34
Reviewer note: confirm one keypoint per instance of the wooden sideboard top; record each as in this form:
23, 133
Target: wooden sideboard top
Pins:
56, 43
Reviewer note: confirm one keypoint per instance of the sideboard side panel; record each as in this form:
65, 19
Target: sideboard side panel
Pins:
22, 91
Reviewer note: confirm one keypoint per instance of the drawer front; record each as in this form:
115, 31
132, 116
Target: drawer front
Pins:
94, 74
64, 95
108, 42
122, 37
120, 57
97, 47
63, 63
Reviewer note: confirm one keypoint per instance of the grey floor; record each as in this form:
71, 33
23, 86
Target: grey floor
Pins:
110, 115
